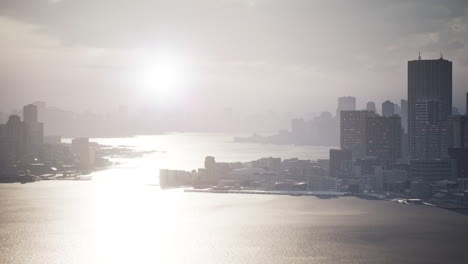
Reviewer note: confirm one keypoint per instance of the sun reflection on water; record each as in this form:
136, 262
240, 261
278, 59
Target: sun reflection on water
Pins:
136, 222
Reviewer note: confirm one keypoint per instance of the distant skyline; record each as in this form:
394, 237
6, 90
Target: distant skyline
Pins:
208, 55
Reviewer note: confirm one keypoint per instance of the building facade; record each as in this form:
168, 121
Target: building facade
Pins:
353, 129
429, 89
340, 165
384, 136
345, 103
388, 108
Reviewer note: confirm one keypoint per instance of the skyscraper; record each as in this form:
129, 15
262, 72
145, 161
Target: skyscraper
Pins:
371, 107
41, 109
404, 114
345, 103
429, 105
16, 133
388, 108
458, 142
466, 106
30, 114
368, 134
353, 127
384, 135
327, 129
35, 130
81, 148
397, 109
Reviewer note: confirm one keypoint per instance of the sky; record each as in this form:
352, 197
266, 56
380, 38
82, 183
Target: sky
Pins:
294, 56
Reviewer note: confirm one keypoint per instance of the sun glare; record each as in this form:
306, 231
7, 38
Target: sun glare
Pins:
163, 78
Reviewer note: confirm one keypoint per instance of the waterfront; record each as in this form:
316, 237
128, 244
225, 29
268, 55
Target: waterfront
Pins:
187, 151
122, 216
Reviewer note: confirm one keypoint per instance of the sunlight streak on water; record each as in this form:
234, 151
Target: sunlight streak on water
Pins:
128, 209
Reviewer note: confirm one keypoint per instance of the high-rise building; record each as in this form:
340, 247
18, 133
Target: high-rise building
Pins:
327, 129
458, 132
81, 148
35, 129
431, 170
17, 135
7, 147
384, 135
367, 134
404, 114
353, 128
371, 107
41, 110
210, 162
30, 114
430, 131
404, 124
466, 105
345, 103
210, 167
341, 165
458, 143
397, 109
429, 90
388, 108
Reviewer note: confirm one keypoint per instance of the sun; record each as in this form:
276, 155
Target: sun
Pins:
162, 77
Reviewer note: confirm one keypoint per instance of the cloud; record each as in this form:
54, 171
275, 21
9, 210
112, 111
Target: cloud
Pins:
301, 43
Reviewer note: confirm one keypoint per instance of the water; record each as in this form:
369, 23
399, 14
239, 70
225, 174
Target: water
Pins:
187, 151
120, 218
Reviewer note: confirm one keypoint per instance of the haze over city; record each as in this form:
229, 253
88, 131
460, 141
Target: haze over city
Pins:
250, 56
233, 131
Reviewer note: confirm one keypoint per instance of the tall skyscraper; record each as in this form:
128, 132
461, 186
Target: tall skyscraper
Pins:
345, 103
458, 131
466, 105
458, 142
16, 133
429, 105
388, 108
404, 114
35, 130
371, 107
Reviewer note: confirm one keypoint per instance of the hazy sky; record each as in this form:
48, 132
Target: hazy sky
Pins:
285, 55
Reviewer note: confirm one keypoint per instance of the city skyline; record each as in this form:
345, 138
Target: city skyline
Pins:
233, 131
297, 56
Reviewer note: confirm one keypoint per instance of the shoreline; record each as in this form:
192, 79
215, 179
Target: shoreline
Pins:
292, 193
328, 194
